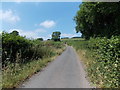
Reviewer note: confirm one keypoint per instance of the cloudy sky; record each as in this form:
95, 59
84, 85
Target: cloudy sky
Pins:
39, 19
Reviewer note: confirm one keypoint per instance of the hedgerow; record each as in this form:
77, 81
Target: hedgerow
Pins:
23, 57
19, 49
104, 67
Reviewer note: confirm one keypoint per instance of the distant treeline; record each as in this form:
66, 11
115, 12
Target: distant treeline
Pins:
71, 37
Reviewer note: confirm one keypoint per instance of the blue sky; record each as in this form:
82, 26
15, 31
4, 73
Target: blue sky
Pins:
39, 19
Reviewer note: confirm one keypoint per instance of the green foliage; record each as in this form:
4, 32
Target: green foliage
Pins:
18, 49
13, 45
22, 57
40, 39
98, 19
107, 55
16, 33
104, 67
13, 76
54, 44
56, 36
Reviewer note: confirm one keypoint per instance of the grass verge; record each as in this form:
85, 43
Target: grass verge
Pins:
87, 59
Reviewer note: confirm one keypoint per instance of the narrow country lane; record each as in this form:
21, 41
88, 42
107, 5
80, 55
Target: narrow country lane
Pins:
64, 72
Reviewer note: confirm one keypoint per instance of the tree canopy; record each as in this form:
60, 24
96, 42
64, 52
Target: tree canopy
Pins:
40, 39
16, 33
98, 19
56, 36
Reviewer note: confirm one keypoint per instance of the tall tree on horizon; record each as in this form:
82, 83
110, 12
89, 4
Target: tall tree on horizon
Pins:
56, 36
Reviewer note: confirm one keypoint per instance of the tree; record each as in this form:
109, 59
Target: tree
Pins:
40, 39
16, 33
98, 19
56, 36
48, 39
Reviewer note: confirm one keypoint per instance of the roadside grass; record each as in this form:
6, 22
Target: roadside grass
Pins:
76, 39
12, 76
88, 60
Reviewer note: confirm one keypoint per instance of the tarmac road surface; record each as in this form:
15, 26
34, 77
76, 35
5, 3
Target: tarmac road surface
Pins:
66, 71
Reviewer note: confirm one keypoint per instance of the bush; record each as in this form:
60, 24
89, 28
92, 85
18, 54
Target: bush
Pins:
18, 49
13, 46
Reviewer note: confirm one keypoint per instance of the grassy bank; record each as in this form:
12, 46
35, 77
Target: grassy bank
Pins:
101, 57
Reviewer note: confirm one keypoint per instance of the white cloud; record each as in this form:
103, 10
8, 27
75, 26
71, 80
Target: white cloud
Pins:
9, 16
70, 35
46, 37
48, 23
29, 34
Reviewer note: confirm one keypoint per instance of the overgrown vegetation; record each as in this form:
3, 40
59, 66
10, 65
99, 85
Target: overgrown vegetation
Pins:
22, 57
102, 59
18, 49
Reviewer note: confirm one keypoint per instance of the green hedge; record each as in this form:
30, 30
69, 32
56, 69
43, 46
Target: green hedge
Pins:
105, 66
